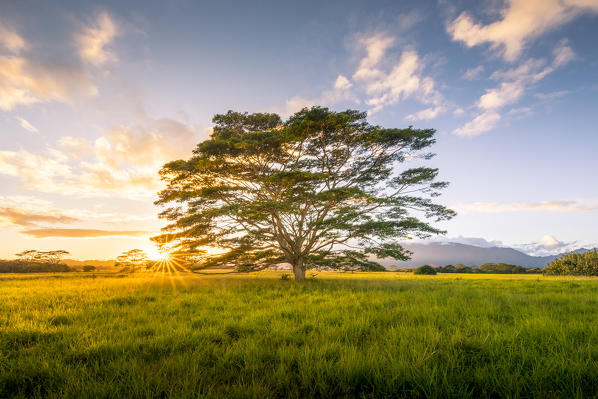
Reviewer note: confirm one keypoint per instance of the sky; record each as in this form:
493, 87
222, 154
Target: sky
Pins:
96, 96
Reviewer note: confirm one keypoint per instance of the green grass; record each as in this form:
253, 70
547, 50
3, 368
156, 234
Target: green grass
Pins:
338, 335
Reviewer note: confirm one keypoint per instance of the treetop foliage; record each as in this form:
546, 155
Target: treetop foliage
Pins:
320, 190
577, 264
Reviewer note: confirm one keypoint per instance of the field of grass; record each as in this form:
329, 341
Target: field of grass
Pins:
336, 335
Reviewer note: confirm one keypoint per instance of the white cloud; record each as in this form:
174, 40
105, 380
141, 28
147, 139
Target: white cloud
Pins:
573, 205
482, 123
400, 80
122, 163
475, 241
382, 80
520, 22
458, 112
548, 245
94, 40
425, 114
375, 46
474, 73
26, 125
342, 83
341, 91
513, 85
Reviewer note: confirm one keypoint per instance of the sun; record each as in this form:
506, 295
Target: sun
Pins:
156, 255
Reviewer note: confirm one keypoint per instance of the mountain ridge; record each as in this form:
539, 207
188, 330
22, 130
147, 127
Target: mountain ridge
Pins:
445, 253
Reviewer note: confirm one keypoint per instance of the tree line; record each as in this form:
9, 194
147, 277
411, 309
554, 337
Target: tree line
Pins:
34, 261
486, 268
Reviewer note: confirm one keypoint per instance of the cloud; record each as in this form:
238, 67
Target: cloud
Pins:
23, 217
552, 95
27, 77
382, 80
27, 80
575, 205
93, 41
11, 40
520, 22
82, 233
481, 123
342, 83
340, 91
425, 114
474, 73
123, 162
513, 84
548, 245
475, 241
26, 125
387, 83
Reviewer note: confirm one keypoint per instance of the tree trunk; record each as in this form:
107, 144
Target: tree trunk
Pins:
299, 270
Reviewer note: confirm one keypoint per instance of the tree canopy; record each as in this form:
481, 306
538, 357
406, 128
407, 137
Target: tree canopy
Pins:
323, 189
34, 256
132, 260
581, 264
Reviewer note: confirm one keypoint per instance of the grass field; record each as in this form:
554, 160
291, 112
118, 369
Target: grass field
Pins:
336, 335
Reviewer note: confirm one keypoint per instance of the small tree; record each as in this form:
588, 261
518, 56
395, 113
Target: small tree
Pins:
322, 190
131, 261
425, 269
88, 268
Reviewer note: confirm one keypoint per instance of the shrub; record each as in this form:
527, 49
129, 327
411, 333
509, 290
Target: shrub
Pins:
584, 264
425, 269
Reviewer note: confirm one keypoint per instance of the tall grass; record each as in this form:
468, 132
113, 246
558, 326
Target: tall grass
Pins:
338, 335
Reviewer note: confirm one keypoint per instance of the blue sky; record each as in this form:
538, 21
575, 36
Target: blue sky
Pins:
94, 97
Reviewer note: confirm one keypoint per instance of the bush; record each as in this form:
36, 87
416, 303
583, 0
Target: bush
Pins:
425, 269
576, 264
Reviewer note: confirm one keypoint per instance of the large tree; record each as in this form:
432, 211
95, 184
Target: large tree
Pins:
322, 190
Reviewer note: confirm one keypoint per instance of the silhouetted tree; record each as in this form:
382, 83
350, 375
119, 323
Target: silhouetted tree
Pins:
32, 255
321, 190
131, 261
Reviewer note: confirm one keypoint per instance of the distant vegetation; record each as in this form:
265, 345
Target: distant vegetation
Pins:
17, 266
486, 268
576, 264
33, 261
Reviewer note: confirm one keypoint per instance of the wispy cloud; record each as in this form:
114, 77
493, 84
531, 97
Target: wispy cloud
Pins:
513, 85
382, 80
519, 22
574, 205
474, 73
26, 125
23, 217
95, 38
11, 40
82, 233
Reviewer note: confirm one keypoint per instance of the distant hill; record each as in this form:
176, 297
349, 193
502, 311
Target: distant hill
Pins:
439, 254
101, 264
